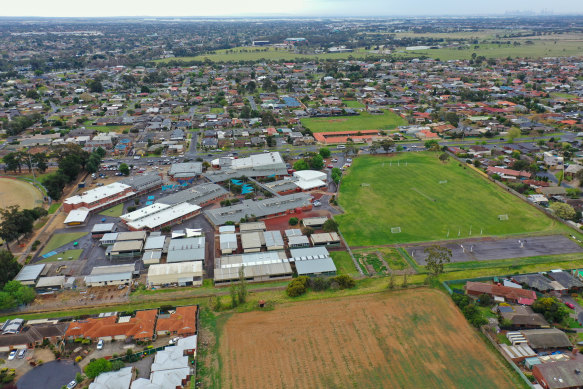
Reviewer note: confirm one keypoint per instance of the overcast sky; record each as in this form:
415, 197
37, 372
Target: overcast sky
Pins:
66, 8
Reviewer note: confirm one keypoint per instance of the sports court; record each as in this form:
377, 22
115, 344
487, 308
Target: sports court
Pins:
489, 249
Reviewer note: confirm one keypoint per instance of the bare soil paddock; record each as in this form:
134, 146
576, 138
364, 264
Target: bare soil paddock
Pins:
406, 339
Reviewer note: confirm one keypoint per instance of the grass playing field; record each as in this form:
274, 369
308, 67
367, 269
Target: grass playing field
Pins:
18, 192
365, 121
427, 198
405, 339
69, 255
267, 53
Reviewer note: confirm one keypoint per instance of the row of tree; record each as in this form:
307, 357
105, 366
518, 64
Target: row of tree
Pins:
16, 160
72, 161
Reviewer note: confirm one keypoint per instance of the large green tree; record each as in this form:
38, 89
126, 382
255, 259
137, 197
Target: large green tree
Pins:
96, 367
437, 257
9, 267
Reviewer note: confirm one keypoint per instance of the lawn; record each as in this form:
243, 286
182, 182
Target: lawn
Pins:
539, 48
59, 240
53, 208
115, 211
365, 121
427, 200
69, 255
267, 53
343, 262
353, 104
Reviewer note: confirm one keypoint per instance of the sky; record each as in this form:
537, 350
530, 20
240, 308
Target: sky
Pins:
346, 8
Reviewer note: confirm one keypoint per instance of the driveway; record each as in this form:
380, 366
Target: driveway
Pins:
51, 375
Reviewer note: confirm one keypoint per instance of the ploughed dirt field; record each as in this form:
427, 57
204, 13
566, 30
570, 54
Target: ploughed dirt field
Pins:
405, 339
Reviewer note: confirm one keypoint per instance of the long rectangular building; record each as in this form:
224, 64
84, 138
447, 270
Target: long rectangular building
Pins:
276, 206
155, 216
257, 165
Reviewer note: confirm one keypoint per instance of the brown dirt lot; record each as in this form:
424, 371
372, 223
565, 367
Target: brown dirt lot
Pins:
406, 339
21, 193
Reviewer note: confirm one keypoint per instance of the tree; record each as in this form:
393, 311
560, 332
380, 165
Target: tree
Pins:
485, 300
233, 294
336, 175
242, 287
513, 133
124, 169
293, 221
551, 308
325, 152
70, 166
437, 256
443, 157
387, 144
55, 183
391, 284
301, 165
432, 145
374, 147
11, 161
330, 225
96, 367
564, 211
297, 286
95, 86
41, 161
316, 162
9, 267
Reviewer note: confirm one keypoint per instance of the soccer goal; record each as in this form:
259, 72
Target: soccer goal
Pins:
443, 182
364, 184
502, 217
395, 230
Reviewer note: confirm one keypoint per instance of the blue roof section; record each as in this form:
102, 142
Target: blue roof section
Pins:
291, 102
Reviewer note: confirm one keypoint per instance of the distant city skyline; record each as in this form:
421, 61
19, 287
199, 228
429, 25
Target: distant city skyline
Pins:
314, 8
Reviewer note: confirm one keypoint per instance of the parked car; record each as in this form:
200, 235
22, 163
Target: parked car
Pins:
173, 341
317, 203
570, 305
21, 353
100, 344
330, 166
71, 384
12, 355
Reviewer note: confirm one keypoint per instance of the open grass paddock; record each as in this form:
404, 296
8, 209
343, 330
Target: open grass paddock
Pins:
427, 199
365, 121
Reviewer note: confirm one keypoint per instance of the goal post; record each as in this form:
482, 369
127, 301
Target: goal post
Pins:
502, 217
395, 230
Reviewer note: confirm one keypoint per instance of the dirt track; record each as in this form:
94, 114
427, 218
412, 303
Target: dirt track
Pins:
408, 339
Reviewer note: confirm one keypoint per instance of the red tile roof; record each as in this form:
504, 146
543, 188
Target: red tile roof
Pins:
182, 322
477, 288
139, 327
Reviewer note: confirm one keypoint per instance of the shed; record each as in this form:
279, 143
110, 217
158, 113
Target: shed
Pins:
545, 339
298, 241
228, 243
50, 283
251, 241
316, 267
273, 240
181, 273
252, 226
101, 229
77, 217
30, 274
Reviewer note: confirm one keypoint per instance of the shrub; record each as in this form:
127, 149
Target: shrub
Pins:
79, 359
297, 286
319, 284
344, 281
293, 221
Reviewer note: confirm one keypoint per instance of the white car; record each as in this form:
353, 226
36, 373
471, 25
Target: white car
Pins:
71, 384
317, 203
100, 344
12, 355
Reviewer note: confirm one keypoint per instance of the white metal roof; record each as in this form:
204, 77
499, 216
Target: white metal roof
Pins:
77, 216
164, 216
98, 193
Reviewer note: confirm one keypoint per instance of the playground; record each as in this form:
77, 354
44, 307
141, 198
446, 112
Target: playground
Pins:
18, 192
414, 197
489, 249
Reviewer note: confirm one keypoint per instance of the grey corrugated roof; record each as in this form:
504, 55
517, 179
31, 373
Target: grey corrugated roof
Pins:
108, 277
565, 279
29, 272
196, 195
143, 182
195, 254
315, 266
535, 281
262, 208
546, 338
155, 243
273, 238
